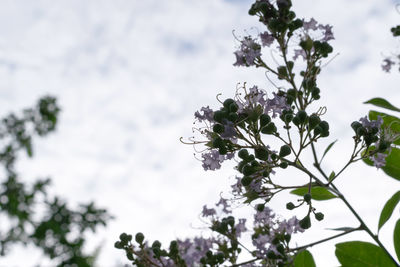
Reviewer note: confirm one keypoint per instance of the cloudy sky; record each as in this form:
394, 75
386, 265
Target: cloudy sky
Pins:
129, 75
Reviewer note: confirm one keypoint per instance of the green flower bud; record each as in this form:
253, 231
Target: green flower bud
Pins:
383, 145
233, 107
260, 207
305, 223
288, 118
218, 128
157, 244
307, 197
129, 255
290, 206
271, 255
246, 180
222, 150
218, 142
139, 237
233, 117
324, 125
302, 115
296, 121
248, 170
269, 128
125, 238
118, 245
317, 130
355, 125
228, 102
243, 154
284, 151
261, 153
283, 165
319, 216
264, 120
313, 121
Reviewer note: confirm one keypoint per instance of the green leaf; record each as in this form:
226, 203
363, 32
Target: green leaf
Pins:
389, 121
304, 259
327, 150
396, 239
317, 192
392, 166
387, 210
383, 103
362, 254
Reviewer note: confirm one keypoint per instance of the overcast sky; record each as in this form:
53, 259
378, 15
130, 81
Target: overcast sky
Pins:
129, 75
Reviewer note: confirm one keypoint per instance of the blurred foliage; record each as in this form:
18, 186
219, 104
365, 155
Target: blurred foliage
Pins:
35, 217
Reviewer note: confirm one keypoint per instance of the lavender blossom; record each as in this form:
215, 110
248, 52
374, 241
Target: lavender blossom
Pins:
277, 104
193, 250
379, 160
224, 203
310, 25
328, 34
229, 131
212, 160
369, 125
291, 226
264, 217
237, 187
207, 114
387, 64
300, 52
248, 51
208, 212
266, 38
240, 227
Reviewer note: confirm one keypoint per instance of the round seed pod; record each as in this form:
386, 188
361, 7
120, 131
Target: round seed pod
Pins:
264, 120
305, 223
228, 102
269, 128
246, 180
313, 121
139, 237
243, 153
290, 206
302, 115
233, 107
307, 197
261, 153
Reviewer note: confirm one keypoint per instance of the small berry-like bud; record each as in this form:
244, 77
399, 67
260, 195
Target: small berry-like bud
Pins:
260, 207
261, 153
139, 237
285, 151
313, 121
319, 216
243, 154
290, 206
246, 180
305, 223
118, 245
156, 244
248, 170
218, 128
302, 115
264, 120
233, 107
283, 165
307, 197
228, 102
269, 128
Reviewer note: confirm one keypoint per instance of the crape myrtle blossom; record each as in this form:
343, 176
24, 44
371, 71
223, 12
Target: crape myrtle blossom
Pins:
369, 125
387, 64
379, 160
193, 250
206, 116
266, 38
212, 159
248, 51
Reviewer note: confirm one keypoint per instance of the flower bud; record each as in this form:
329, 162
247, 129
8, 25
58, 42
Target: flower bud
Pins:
290, 205
243, 154
284, 151
139, 237
260, 207
264, 120
307, 197
118, 245
302, 115
248, 170
269, 128
305, 223
319, 216
246, 180
283, 165
228, 102
313, 121
233, 107
218, 128
261, 153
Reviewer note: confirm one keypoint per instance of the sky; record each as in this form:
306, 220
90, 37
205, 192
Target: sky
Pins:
129, 76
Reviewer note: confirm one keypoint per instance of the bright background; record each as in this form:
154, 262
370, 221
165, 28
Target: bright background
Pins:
129, 76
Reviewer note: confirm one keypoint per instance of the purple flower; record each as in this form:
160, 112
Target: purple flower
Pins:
310, 25
207, 114
248, 51
212, 160
264, 217
300, 52
371, 124
387, 64
266, 38
379, 160
255, 185
193, 250
229, 131
224, 203
240, 227
237, 187
208, 212
277, 104
328, 34
291, 226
